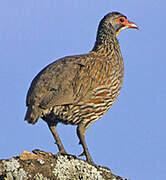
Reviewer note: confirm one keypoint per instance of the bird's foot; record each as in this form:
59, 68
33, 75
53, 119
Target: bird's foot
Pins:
62, 152
88, 159
66, 154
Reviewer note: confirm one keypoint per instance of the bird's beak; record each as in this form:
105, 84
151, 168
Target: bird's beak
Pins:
130, 24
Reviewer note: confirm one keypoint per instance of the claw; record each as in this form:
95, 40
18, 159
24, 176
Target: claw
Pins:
82, 154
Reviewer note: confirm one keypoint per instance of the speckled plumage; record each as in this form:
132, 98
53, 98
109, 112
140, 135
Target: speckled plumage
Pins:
79, 89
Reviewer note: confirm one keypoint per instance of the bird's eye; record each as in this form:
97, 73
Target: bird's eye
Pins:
121, 20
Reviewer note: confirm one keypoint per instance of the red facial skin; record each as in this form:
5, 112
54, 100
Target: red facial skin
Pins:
128, 24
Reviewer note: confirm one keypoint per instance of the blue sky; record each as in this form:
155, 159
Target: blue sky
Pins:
130, 137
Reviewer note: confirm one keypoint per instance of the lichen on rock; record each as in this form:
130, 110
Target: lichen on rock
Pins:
41, 165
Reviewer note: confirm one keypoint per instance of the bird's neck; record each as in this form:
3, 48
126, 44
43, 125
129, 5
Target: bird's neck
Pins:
106, 41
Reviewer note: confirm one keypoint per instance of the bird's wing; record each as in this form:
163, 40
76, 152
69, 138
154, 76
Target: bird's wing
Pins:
54, 84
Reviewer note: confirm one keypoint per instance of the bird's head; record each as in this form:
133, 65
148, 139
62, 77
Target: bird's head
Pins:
118, 21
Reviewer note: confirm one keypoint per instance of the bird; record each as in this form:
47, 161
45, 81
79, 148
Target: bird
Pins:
80, 89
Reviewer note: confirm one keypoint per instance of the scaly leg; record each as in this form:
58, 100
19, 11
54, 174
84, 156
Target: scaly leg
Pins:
81, 135
53, 130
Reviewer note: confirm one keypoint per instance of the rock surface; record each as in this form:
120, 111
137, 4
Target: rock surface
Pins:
41, 165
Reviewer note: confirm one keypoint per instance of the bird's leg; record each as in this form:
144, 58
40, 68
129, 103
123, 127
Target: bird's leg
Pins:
53, 130
81, 135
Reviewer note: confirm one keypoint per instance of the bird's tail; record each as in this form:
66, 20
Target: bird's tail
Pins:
32, 114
